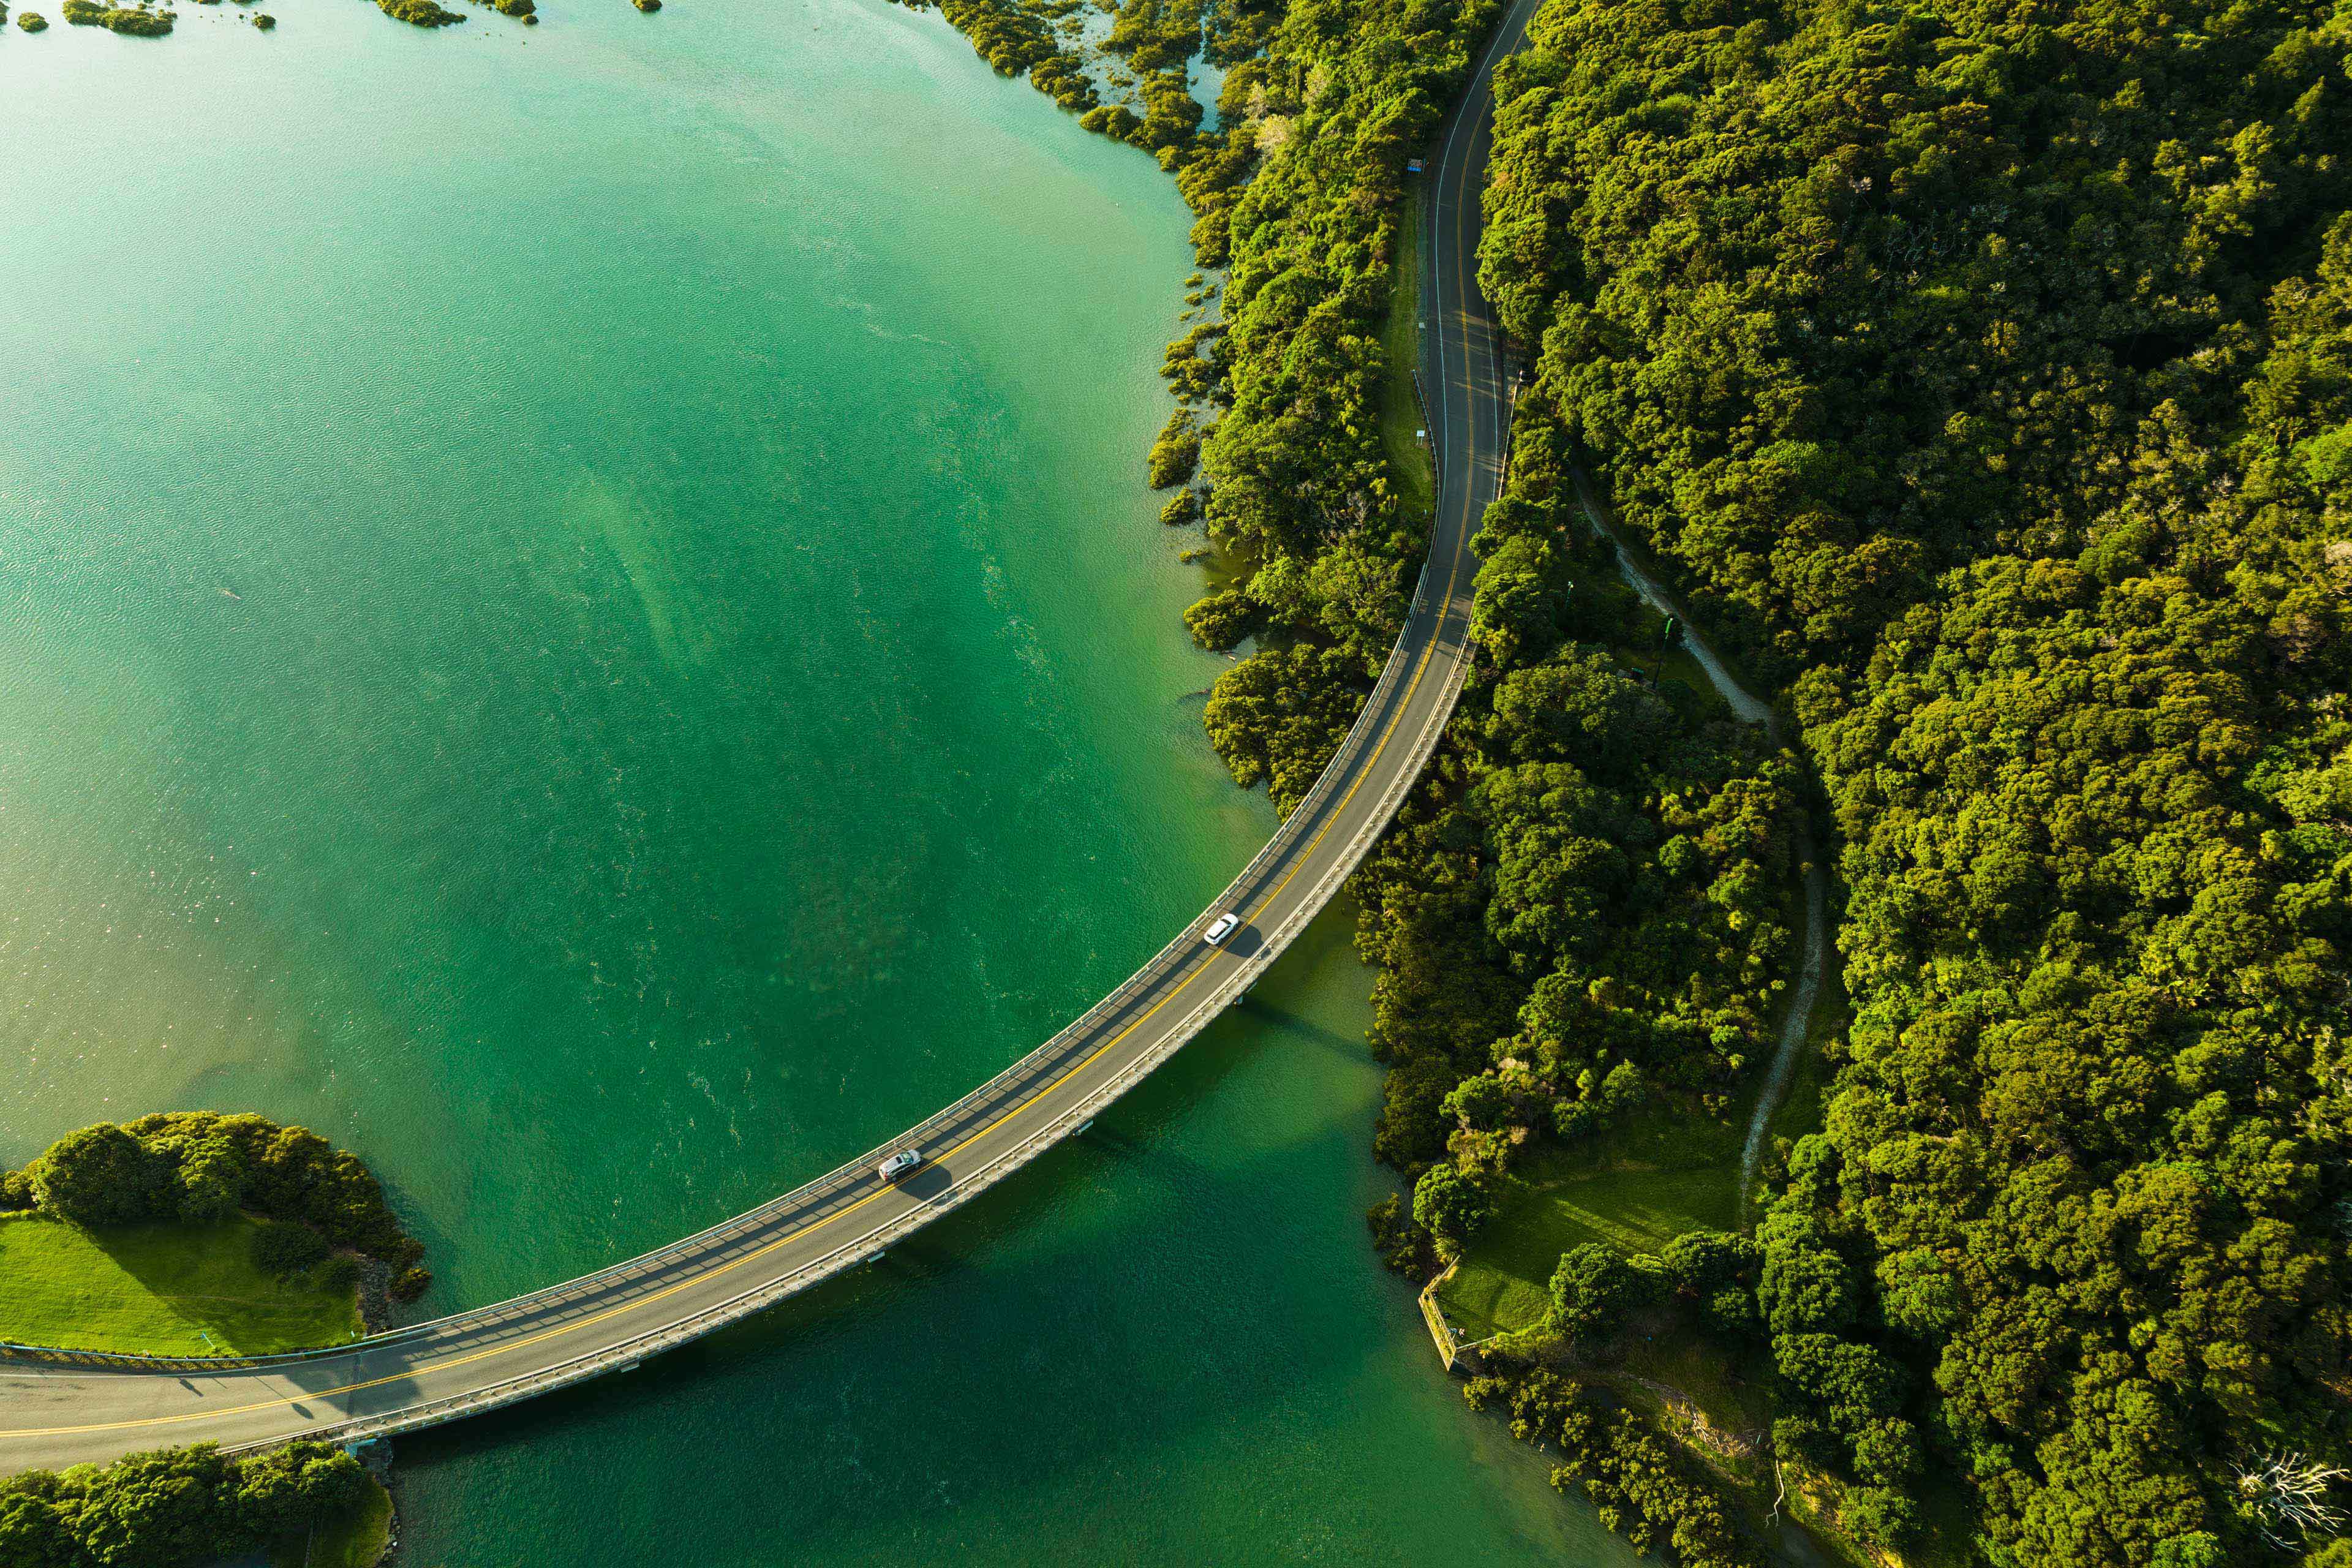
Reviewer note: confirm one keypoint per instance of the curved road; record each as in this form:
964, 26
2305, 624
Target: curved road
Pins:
58, 1409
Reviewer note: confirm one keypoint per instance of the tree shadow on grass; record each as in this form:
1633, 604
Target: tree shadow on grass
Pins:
202, 1281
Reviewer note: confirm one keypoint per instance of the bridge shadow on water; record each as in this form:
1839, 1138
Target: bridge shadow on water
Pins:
1009, 1296
1192, 1271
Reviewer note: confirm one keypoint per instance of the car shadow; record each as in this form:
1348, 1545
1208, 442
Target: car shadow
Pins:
926, 1181
1246, 942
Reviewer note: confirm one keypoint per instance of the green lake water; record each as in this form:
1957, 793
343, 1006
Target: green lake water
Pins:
578, 612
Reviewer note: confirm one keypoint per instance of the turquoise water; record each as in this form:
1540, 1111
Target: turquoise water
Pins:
580, 615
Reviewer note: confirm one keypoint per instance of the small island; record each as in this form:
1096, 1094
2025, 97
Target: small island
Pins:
198, 1234
132, 21
193, 1233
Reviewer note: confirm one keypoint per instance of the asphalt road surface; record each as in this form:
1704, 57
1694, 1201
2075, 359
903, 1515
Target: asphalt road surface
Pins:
56, 1411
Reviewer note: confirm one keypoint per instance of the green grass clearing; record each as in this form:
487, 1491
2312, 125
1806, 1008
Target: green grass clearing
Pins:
1676, 666
1638, 1187
360, 1542
1401, 410
162, 1289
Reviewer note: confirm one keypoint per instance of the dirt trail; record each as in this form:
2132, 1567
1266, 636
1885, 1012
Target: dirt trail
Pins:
1796, 1021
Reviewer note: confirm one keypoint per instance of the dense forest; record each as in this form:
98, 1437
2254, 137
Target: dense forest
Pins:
1988, 368
176, 1508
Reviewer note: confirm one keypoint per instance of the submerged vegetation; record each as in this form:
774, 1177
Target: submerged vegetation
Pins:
141, 19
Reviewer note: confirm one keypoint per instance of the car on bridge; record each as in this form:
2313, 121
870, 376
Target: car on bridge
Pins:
898, 1164
1220, 928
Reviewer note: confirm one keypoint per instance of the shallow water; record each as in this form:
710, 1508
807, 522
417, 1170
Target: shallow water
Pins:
580, 615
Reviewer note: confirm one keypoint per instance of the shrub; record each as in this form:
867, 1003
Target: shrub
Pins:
174, 1508
1177, 453
200, 1165
1221, 620
1450, 1205
418, 12
285, 1250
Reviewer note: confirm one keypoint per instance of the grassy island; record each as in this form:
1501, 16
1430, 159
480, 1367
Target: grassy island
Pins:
194, 1234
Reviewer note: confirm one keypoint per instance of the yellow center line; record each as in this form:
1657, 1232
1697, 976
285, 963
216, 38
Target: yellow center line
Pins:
1453, 575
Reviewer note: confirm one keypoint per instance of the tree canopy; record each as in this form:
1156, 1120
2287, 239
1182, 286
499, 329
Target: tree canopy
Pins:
174, 1507
1988, 368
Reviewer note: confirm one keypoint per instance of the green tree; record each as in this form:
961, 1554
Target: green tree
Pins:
101, 1175
1450, 1205
1593, 1292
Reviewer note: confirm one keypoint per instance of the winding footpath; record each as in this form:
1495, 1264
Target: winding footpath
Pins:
1796, 1023
58, 1408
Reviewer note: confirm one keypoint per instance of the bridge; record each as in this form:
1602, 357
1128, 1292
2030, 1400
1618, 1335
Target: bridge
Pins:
60, 1407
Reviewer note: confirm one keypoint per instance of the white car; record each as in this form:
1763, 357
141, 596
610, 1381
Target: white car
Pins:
898, 1164
1220, 928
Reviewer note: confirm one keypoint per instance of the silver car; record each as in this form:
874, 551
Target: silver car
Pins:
898, 1164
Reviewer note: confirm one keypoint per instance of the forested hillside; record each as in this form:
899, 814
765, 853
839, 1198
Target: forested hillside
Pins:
1984, 372
1989, 369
